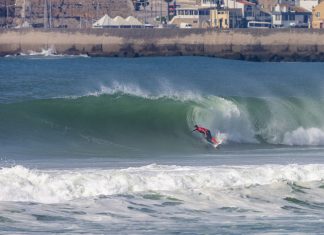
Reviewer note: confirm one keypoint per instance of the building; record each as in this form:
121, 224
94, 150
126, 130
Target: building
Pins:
217, 14
117, 22
318, 16
225, 18
263, 15
302, 17
220, 18
285, 16
63, 13
267, 5
196, 17
209, 3
307, 4
248, 7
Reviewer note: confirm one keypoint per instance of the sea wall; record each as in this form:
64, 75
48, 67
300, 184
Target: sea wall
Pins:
244, 44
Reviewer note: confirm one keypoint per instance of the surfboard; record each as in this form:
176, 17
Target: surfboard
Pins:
216, 141
217, 144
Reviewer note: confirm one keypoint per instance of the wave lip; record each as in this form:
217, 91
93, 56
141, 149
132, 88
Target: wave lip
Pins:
166, 92
53, 186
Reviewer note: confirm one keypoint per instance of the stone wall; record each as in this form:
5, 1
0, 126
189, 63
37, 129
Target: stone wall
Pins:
245, 44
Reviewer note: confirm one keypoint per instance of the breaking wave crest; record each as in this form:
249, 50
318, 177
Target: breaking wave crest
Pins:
53, 186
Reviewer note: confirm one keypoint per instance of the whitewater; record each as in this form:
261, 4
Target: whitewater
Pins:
105, 145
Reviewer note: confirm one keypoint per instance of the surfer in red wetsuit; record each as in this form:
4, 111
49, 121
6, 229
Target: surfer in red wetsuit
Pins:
206, 133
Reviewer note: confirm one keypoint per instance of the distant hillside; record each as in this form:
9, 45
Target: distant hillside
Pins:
77, 13
64, 13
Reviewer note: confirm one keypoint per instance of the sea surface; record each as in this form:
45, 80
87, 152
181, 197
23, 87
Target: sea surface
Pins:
105, 146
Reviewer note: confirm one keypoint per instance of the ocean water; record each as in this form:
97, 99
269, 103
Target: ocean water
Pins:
104, 146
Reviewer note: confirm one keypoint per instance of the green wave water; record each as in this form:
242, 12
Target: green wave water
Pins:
120, 123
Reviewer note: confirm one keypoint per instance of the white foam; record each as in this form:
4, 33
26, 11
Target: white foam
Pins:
116, 87
135, 90
219, 114
281, 124
301, 136
49, 52
52, 186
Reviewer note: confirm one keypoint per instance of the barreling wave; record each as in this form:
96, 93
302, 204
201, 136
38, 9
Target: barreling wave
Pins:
119, 121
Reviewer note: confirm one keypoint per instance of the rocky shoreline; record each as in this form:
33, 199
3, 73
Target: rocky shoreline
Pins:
242, 44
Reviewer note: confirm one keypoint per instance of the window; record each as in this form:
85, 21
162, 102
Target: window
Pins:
318, 14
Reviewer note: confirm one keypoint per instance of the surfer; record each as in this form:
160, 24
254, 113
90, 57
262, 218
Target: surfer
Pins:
206, 133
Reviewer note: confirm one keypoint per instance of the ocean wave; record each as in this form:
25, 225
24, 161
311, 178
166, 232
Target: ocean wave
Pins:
133, 118
53, 186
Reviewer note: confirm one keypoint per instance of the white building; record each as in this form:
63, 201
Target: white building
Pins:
197, 17
117, 22
247, 8
307, 4
285, 16
209, 3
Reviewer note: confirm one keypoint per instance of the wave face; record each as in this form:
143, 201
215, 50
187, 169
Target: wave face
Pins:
120, 122
100, 106
127, 122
